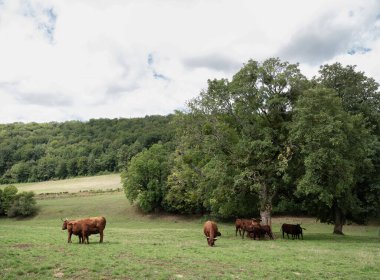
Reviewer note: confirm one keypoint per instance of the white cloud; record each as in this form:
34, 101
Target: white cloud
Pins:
62, 60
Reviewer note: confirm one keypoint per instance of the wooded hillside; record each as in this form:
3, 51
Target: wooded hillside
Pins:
43, 151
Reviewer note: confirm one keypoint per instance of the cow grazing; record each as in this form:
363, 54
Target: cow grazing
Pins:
294, 230
252, 227
211, 232
266, 230
240, 224
86, 227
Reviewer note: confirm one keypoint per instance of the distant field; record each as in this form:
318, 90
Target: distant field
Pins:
158, 246
102, 182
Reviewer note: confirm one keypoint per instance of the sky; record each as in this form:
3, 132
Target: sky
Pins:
87, 59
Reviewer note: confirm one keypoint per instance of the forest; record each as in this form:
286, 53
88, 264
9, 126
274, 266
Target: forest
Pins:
34, 152
268, 141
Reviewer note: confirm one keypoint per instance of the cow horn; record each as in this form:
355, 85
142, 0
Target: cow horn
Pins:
215, 239
207, 237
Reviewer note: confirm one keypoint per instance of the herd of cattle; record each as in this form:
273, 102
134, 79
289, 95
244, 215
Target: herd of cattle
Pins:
83, 228
253, 228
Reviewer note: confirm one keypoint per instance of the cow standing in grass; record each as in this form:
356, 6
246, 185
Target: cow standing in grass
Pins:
294, 230
252, 227
211, 232
69, 225
86, 227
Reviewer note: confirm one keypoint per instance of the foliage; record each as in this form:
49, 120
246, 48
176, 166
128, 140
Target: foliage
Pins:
15, 204
7, 197
23, 204
40, 152
145, 178
337, 149
234, 140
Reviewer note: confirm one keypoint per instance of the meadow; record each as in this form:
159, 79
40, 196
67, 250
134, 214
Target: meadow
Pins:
159, 246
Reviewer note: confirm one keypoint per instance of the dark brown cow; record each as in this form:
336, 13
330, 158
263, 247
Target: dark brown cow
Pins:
266, 230
86, 227
210, 230
294, 230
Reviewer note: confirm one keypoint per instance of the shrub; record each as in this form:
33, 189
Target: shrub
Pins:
23, 204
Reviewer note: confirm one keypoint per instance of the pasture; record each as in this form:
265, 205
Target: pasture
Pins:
138, 246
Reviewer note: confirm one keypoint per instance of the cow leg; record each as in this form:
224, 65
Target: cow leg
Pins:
69, 237
101, 237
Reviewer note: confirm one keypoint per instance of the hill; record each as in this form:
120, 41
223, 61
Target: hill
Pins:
35, 152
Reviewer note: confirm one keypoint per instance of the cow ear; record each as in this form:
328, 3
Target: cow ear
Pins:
207, 237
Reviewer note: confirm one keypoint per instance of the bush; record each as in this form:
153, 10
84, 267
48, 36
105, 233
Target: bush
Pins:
24, 205
6, 199
14, 204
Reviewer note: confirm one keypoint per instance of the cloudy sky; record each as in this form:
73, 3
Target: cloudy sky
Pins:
82, 59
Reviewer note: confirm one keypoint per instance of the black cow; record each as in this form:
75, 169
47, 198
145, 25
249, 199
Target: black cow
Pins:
294, 230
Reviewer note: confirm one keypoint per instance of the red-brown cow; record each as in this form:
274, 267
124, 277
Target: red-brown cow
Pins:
252, 228
88, 226
211, 232
240, 224
68, 224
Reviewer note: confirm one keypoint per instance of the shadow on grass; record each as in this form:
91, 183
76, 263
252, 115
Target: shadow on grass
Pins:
336, 238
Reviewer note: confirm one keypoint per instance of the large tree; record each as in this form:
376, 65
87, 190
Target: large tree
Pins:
337, 148
360, 95
240, 136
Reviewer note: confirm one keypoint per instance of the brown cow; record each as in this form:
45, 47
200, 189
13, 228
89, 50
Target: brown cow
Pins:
88, 226
252, 228
210, 230
266, 230
68, 224
240, 224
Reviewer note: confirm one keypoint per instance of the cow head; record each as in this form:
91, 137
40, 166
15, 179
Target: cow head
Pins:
211, 241
65, 222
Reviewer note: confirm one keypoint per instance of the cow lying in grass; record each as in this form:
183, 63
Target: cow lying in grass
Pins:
84, 228
210, 229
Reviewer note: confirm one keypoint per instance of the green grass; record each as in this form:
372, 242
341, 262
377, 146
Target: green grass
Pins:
141, 246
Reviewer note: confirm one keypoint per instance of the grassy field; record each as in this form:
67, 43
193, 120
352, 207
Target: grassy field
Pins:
141, 246
102, 182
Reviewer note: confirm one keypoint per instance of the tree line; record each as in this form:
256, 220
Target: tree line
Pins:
44, 151
269, 141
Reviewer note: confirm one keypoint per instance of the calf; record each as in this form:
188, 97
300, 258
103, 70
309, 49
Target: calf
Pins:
210, 229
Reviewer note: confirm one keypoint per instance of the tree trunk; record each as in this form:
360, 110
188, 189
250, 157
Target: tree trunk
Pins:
339, 221
266, 218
